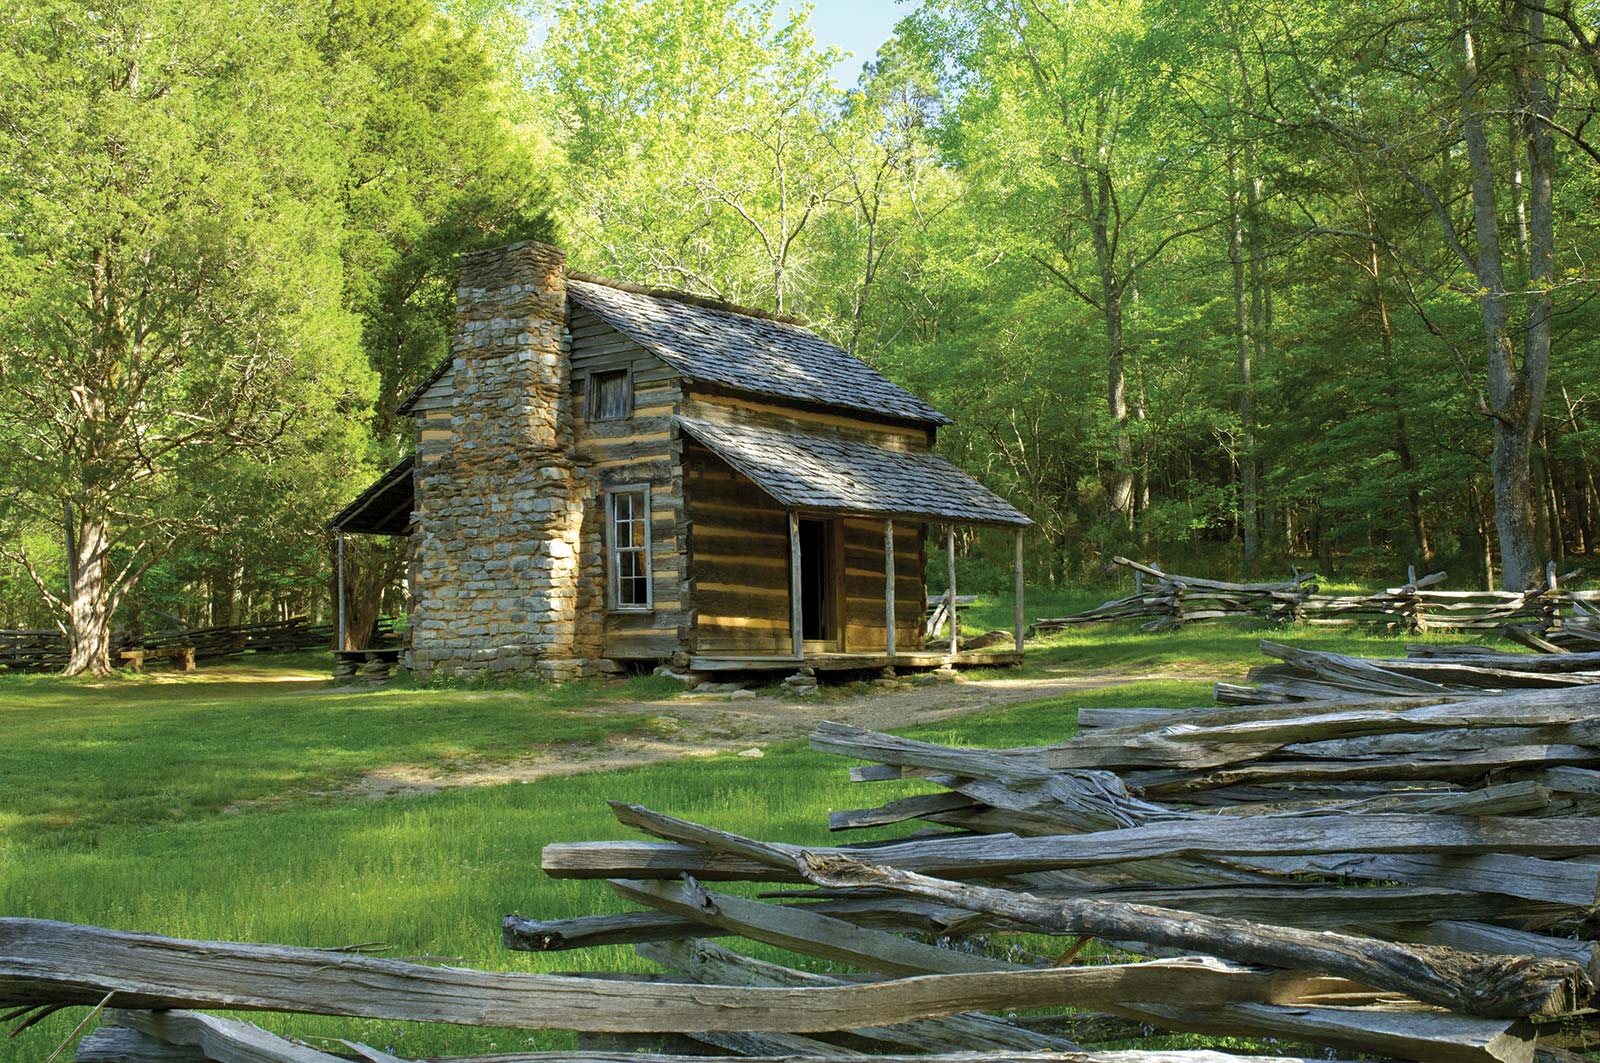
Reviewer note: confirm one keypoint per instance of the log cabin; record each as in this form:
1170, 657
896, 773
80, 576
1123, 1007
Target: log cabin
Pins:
605, 473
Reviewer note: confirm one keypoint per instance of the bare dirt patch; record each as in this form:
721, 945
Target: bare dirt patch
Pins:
691, 726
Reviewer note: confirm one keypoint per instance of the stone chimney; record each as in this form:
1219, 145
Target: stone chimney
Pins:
499, 504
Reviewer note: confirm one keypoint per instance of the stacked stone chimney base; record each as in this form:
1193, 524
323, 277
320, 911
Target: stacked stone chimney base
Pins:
503, 516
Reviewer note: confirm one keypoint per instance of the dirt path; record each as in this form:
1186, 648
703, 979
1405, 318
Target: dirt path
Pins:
691, 726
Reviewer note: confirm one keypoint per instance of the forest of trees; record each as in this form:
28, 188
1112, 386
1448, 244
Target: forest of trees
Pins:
1226, 283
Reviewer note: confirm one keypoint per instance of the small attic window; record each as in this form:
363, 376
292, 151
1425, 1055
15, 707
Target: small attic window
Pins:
610, 396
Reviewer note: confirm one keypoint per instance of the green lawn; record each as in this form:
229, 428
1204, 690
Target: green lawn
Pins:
209, 806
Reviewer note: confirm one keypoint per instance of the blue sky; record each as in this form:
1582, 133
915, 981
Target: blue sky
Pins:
858, 26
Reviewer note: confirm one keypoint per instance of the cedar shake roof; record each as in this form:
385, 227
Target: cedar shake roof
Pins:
846, 474
749, 352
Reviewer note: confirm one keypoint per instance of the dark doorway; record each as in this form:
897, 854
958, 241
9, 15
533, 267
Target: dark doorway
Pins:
816, 580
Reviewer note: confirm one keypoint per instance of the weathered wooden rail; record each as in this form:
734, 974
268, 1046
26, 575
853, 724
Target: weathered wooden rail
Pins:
1165, 600
1429, 671
44, 649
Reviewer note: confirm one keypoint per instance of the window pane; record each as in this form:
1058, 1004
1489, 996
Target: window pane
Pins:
630, 569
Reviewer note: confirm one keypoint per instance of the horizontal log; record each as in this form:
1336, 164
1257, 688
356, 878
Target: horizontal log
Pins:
710, 965
222, 1040
1468, 765
589, 931
115, 1045
1505, 987
1571, 883
1428, 1037
119, 1044
42, 962
996, 855
803, 931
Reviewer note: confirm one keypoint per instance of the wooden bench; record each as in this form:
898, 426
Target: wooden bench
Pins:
136, 657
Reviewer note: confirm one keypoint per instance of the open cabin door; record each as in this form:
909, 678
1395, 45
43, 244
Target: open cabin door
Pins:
819, 585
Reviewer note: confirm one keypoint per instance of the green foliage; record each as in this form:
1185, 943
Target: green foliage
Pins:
228, 250
291, 185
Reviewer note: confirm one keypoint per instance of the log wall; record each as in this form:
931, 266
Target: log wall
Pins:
865, 622
642, 449
739, 556
732, 505
738, 546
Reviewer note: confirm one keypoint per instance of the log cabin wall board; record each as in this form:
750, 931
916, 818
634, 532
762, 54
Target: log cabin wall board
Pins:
636, 450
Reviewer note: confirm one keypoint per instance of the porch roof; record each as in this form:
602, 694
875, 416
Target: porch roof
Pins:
831, 472
384, 508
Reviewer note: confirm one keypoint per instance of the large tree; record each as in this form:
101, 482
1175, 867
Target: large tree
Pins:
1481, 109
695, 133
169, 273
1061, 131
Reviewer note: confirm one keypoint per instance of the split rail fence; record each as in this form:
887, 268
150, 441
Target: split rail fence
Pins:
44, 649
1165, 600
1409, 873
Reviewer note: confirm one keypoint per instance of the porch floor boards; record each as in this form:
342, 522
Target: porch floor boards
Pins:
849, 662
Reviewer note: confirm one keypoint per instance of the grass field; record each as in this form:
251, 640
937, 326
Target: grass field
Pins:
212, 806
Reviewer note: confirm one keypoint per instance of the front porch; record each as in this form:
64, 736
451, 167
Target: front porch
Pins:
840, 507
859, 662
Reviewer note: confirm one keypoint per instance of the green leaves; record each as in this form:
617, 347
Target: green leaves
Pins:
228, 233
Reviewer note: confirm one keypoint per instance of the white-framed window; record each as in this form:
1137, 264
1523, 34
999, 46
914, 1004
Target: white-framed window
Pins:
628, 538
611, 395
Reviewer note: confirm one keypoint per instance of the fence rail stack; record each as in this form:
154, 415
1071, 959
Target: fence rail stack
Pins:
1165, 601
45, 649
1406, 875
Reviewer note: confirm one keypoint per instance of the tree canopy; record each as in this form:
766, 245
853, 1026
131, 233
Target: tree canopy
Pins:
1237, 284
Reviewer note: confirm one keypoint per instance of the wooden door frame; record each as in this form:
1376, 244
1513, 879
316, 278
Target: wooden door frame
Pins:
834, 604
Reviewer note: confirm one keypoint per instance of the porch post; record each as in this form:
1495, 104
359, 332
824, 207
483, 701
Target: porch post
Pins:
796, 620
888, 583
340, 644
1018, 580
955, 623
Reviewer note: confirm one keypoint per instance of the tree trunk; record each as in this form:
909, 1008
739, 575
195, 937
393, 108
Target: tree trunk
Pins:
1402, 438
1245, 310
1261, 341
1515, 391
89, 600
1587, 491
1551, 497
1119, 488
1484, 529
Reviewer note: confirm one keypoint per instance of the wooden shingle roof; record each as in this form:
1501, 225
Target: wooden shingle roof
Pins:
750, 352
837, 473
